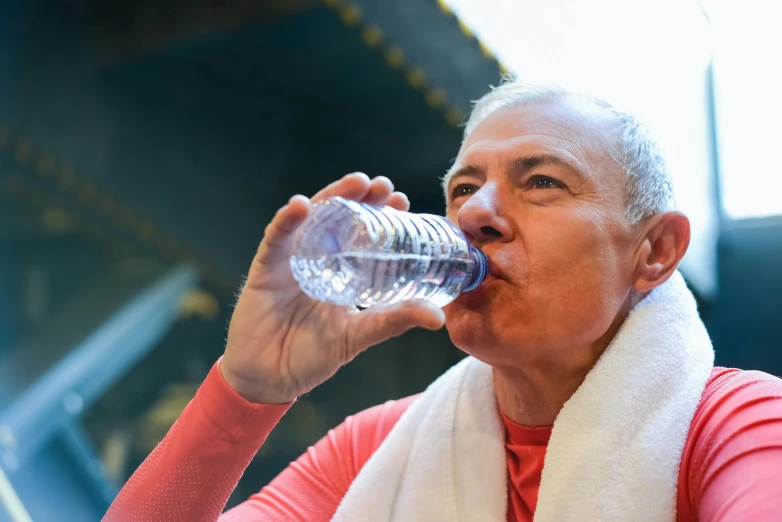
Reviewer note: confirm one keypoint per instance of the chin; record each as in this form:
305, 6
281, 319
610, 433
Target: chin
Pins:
470, 327
486, 322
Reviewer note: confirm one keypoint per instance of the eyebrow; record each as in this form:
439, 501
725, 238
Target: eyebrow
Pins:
520, 165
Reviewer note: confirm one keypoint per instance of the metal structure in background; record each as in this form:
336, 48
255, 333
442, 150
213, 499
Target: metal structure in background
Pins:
437, 53
48, 380
242, 102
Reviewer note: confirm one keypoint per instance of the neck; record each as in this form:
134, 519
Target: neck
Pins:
534, 396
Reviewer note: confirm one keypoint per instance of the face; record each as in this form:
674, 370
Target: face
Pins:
536, 188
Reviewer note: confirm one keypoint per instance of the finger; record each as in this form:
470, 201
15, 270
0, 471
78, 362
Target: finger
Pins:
379, 323
353, 186
399, 201
380, 189
278, 236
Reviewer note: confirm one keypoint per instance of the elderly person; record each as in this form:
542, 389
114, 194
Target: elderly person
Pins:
589, 392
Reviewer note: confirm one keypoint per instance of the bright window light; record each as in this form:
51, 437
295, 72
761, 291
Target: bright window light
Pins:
748, 105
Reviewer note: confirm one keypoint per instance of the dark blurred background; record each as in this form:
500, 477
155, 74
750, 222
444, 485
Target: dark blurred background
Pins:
145, 144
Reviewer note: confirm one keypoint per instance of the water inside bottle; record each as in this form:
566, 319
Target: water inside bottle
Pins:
356, 254
370, 278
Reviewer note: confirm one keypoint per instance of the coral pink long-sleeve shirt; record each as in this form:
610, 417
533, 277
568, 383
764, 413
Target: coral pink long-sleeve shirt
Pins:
731, 468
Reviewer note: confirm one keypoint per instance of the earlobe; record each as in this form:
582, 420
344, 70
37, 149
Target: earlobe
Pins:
664, 244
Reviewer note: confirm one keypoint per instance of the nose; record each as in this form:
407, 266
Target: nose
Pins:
481, 217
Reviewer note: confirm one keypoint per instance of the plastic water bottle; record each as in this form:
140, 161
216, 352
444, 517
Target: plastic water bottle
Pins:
351, 253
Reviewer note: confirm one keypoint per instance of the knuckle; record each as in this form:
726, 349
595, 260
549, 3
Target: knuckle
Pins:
391, 324
269, 231
350, 342
273, 232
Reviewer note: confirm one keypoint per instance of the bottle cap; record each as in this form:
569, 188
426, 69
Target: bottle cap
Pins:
480, 269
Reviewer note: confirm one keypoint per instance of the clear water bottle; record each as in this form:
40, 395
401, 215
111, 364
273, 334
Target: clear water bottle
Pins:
351, 253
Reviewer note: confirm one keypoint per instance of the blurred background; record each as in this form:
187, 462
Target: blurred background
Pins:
144, 145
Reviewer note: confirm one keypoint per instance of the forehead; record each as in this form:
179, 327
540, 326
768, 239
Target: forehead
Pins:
579, 129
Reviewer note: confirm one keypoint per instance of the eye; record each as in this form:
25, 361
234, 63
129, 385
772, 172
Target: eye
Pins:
544, 182
463, 190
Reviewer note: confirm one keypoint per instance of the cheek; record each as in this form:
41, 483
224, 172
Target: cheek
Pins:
575, 268
555, 246
569, 244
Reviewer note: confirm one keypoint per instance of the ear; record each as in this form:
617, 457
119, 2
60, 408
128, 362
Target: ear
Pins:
663, 245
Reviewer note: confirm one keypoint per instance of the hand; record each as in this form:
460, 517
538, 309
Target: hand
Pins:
282, 343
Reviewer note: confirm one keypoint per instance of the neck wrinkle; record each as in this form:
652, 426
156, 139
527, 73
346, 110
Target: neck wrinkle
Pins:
532, 401
533, 397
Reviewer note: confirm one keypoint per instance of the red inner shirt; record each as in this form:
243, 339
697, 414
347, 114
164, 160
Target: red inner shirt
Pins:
525, 448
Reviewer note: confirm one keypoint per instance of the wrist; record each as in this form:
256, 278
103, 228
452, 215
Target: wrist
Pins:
251, 390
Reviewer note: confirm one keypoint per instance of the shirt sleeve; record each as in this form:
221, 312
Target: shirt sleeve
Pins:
192, 472
735, 471
312, 487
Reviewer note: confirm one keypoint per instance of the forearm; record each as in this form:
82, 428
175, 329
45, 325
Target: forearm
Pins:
192, 472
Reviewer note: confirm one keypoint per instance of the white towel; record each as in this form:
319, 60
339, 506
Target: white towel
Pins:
614, 451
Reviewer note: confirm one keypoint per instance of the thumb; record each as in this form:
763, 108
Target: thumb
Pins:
379, 323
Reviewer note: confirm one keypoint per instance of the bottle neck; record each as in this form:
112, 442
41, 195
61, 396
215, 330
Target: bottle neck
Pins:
480, 268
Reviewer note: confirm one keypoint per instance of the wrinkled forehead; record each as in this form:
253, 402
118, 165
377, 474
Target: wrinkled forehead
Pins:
582, 129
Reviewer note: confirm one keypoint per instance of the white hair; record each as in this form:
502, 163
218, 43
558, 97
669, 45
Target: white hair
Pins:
649, 188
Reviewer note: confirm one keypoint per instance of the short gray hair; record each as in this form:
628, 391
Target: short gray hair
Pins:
649, 187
